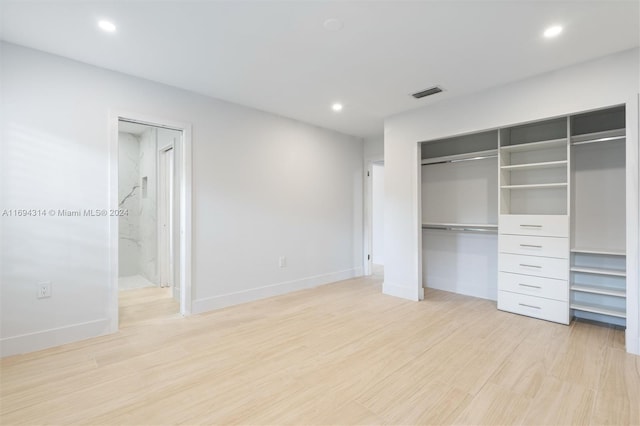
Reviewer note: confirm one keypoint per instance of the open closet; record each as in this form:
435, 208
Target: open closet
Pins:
459, 214
531, 215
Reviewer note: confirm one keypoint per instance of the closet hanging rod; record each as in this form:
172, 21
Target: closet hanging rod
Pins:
471, 156
610, 139
459, 228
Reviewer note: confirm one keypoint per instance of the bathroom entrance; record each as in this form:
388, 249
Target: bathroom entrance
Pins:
147, 222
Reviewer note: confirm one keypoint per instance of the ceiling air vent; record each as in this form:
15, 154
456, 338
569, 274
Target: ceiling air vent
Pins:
428, 92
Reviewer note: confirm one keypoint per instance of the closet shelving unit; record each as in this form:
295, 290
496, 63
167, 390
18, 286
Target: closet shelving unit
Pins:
533, 231
598, 258
533, 157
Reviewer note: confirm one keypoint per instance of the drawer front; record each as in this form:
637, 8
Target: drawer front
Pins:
532, 306
541, 225
535, 246
546, 267
534, 286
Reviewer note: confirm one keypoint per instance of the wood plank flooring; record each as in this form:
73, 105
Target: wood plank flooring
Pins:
338, 354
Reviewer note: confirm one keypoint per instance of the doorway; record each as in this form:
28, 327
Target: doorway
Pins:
150, 250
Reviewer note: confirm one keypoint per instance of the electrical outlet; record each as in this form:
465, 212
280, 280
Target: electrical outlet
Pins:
44, 290
282, 262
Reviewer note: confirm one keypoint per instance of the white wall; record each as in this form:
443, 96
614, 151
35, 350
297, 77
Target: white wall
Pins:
607, 81
261, 189
374, 147
377, 202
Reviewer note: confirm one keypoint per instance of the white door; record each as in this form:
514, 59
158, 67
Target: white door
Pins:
165, 220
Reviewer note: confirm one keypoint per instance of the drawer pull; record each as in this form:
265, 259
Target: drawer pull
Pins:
529, 285
530, 245
529, 306
524, 265
530, 226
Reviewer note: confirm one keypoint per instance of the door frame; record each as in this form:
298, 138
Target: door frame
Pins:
184, 179
368, 212
166, 202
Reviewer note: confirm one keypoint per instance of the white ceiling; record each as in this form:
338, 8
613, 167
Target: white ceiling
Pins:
276, 56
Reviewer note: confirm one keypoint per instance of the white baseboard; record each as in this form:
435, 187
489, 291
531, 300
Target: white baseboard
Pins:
403, 292
53, 337
216, 302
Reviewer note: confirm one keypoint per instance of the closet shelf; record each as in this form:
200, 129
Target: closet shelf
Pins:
599, 310
536, 185
534, 166
608, 291
535, 146
604, 252
599, 271
467, 156
606, 136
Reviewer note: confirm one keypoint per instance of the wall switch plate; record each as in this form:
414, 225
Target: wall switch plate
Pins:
282, 262
44, 290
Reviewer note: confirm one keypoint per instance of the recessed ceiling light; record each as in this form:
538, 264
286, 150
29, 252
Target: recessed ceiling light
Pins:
332, 24
337, 107
553, 31
107, 26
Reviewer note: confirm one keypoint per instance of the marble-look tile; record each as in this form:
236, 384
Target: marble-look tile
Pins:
129, 198
148, 223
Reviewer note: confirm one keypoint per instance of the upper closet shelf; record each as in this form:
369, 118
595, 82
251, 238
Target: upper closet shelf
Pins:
534, 166
535, 146
467, 156
606, 136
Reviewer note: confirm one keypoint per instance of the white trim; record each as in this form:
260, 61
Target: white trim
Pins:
44, 339
403, 292
368, 212
184, 152
417, 215
632, 333
216, 302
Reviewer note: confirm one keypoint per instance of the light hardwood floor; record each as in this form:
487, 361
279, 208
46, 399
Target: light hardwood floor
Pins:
338, 354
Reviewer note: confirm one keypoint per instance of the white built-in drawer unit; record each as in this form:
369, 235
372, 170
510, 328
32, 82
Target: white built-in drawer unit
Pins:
546, 267
535, 246
540, 225
534, 286
538, 307
533, 266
